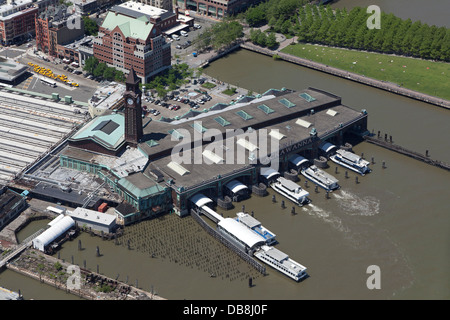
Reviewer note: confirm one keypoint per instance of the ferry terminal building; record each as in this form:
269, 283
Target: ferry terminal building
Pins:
135, 159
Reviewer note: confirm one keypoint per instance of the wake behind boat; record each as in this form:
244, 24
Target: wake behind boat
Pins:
320, 177
351, 161
291, 190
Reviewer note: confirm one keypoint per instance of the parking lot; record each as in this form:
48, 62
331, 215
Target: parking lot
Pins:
183, 46
83, 92
191, 96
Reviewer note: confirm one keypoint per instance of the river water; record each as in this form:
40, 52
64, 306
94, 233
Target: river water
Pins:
395, 218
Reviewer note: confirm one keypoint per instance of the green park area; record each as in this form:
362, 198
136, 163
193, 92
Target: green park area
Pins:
416, 74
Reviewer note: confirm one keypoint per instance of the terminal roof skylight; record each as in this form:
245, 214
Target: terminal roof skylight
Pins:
198, 127
177, 135
244, 115
246, 144
307, 97
303, 123
107, 126
331, 112
286, 103
265, 109
212, 156
222, 121
178, 168
276, 134
152, 143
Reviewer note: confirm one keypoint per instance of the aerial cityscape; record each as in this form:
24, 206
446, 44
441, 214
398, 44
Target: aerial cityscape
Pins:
228, 150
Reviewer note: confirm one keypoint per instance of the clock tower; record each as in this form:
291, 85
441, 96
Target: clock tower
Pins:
133, 109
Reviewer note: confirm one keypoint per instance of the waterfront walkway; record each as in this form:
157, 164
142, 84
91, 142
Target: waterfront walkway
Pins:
384, 85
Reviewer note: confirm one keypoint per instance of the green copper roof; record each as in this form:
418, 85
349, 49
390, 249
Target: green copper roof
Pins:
107, 131
140, 186
139, 28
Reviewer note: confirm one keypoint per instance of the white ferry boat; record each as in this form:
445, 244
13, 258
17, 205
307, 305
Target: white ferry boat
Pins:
351, 161
254, 225
281, 262
320, 177
291, 190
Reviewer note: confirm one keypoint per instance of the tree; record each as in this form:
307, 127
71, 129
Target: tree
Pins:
119, 76
271, 41
254, 35
90, 64
255, 16
90, 26
261, 40
109, 73
98, 71
162, 92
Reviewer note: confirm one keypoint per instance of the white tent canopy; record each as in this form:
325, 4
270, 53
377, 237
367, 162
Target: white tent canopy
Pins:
200, 200
56, 230
235, 186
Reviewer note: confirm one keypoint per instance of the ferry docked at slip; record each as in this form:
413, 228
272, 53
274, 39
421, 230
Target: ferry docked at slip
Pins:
351, 161
320, 177
291, 190
281, 262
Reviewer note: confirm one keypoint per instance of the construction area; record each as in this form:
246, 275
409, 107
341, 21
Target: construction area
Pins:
31, 127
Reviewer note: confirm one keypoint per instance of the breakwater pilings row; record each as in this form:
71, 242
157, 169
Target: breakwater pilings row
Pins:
92, 286
384, 85
399, 149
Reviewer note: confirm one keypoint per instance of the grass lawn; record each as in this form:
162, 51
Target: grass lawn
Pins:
208, 85
230, 91
420, 75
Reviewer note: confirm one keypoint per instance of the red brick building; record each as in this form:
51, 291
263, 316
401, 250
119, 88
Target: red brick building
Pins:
215, 8
57, 27
17, 19
131, 37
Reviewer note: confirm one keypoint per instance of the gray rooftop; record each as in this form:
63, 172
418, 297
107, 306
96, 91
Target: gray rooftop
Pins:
282, 119
136, 10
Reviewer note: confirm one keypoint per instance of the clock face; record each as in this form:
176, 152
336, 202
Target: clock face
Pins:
130, 101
